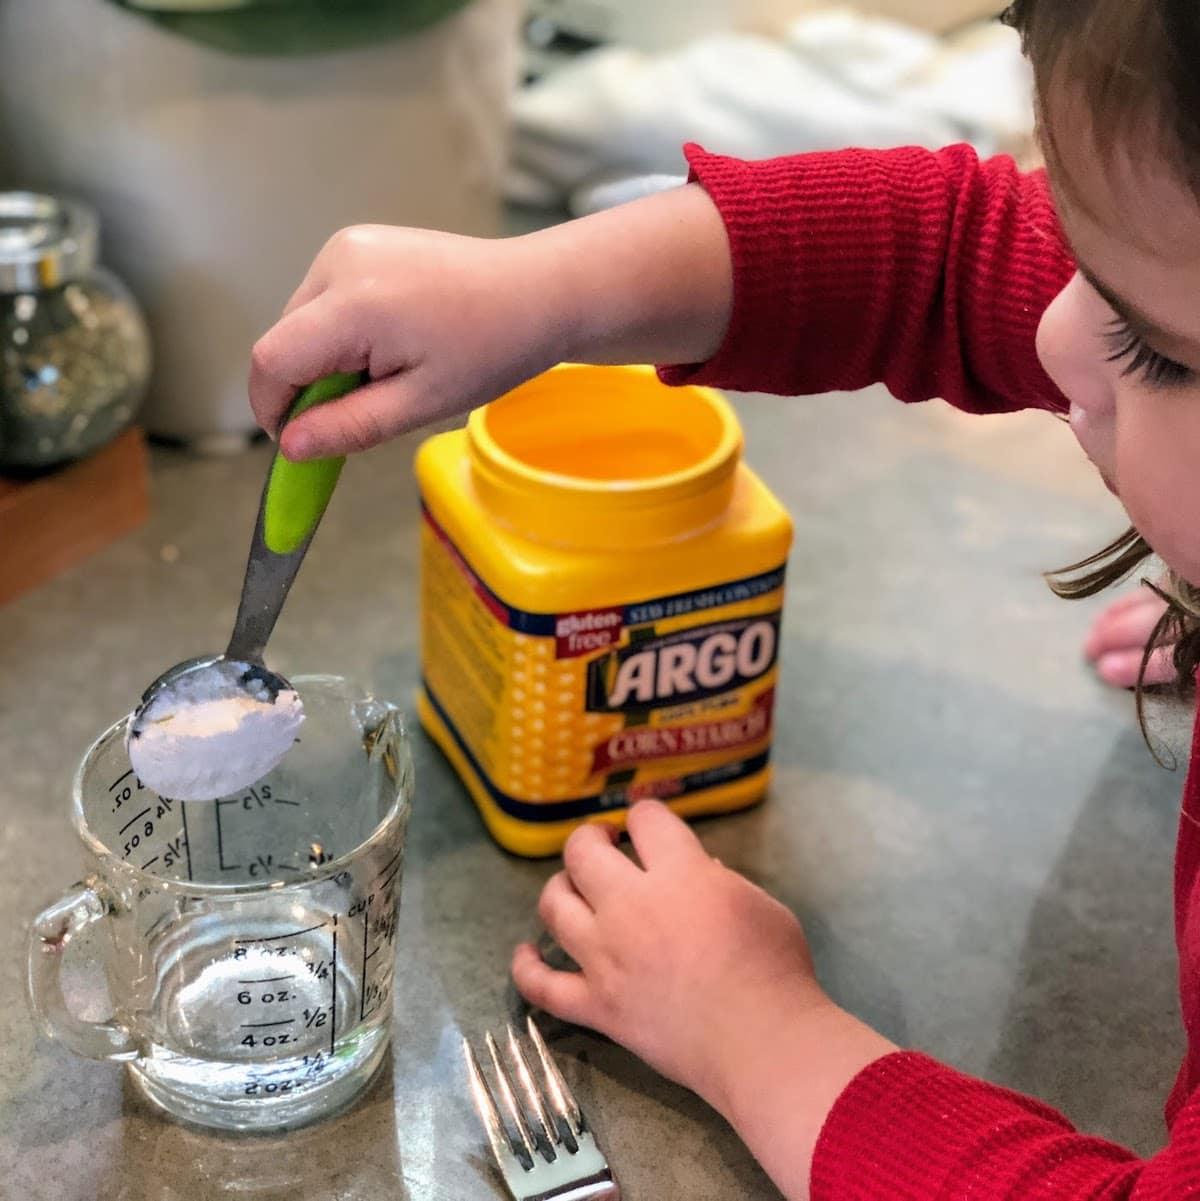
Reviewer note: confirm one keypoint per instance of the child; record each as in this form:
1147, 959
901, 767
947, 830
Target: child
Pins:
939, 276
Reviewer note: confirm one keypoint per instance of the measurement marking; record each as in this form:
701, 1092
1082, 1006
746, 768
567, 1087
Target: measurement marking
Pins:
187, 842
387, 867
155, 924
120, 779
290, 934
286, 867
372, 955
390, 880
149, 862
133, 819
333, 990
362, 985
281, 801
225, 867
266, 979
263, 1025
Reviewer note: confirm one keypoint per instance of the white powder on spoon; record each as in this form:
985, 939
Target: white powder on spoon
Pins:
212, 732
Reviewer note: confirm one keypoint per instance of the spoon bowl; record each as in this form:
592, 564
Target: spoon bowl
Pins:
214, 724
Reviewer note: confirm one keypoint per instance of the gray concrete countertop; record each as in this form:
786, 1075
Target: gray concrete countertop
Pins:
968, 823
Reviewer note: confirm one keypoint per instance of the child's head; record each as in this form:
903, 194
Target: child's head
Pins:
1119, 115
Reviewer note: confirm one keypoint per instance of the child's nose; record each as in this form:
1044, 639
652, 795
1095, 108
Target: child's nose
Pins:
1072, 350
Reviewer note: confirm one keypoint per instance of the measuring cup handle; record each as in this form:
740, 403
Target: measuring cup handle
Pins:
53, 930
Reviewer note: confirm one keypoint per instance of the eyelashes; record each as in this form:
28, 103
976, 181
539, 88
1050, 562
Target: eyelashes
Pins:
1126, 345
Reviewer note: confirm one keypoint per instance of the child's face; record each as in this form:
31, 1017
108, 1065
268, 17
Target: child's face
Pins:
1122, 341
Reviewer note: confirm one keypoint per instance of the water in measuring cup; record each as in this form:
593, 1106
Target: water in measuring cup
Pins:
268, 1016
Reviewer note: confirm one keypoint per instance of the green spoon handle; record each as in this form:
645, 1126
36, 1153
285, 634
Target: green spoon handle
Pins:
297, 493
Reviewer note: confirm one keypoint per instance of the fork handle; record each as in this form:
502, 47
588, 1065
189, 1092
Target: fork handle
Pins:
597, 1188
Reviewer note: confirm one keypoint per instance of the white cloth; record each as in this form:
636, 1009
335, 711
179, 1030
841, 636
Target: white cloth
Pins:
586, 134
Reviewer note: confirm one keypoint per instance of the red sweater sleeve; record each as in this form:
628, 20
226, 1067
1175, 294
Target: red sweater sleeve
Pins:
928, 272
909, 1129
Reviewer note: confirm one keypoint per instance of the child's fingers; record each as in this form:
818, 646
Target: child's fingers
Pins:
313, 284
1122, 668
564, 994
595, 867
660, 837
366, 417
1125, 626
567, 916
310, 342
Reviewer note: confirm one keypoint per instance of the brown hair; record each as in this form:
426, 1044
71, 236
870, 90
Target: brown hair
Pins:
1133, 65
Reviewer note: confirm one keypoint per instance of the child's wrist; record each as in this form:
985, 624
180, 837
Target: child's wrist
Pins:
556, 303
781, 1080
754, 1042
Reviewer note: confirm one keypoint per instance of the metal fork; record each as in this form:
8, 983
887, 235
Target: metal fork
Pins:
553, 1156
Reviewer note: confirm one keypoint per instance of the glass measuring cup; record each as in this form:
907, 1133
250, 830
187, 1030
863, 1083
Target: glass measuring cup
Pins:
247, 943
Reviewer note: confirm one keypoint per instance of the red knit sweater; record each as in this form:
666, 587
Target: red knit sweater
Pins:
929, 273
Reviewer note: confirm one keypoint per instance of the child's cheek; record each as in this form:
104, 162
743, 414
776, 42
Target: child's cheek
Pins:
1158, 445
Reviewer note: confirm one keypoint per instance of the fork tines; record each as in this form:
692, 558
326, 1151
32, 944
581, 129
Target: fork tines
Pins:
544, 1148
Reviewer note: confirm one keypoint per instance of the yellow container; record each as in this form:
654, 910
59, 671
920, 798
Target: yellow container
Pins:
601, 589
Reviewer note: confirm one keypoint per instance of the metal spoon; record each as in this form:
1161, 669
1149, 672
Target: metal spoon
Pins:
293, 502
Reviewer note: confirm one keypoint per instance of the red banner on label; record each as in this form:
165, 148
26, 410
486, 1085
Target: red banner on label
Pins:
587, 633
643, 744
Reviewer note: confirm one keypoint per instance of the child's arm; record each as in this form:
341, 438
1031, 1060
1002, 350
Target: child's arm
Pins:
446, 323
926, 271
710, 981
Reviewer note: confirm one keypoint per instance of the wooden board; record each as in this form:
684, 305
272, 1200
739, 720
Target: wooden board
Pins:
50, 523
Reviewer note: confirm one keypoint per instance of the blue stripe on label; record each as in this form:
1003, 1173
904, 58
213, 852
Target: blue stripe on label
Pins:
683, 603
542, 625
613, 798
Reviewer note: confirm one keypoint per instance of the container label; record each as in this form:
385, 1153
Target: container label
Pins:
690, 665
578, 634
644, 744
566, 714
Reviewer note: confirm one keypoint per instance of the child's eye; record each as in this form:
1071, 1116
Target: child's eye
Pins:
1153, 367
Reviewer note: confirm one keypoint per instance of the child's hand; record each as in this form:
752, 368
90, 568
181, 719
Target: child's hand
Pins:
442, 324
445, 323
682, 959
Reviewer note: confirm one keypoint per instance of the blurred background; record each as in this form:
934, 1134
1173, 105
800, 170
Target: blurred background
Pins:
187, 158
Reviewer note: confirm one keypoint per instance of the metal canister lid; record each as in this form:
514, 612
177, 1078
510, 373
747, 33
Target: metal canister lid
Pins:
45, 241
